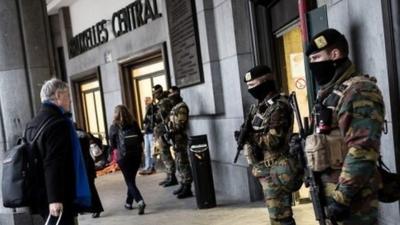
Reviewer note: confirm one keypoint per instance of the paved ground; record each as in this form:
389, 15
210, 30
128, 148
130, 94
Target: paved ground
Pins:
163, 208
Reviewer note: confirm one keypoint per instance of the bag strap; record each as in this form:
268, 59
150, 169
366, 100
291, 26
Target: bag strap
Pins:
58, 220
381, 164
39, 132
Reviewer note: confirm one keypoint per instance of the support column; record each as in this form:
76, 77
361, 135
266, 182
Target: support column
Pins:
24, 66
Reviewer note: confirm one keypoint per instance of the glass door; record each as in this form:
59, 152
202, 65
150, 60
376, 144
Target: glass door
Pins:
293, 68
93, 109
144, 77
293, 77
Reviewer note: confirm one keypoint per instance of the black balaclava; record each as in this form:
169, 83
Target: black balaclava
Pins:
175, 98
324, 71
261, 91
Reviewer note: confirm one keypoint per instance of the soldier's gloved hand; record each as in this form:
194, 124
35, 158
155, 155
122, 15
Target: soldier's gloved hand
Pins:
337, 211
167, 136
295, 144
236, 135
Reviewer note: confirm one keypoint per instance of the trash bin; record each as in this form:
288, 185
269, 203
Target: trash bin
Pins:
199, 156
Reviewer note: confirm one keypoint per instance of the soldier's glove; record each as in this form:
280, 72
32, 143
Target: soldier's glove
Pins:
337, 211
295, 144
167, 137
236, 135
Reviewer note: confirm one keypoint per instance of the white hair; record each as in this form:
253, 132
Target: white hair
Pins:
49, 88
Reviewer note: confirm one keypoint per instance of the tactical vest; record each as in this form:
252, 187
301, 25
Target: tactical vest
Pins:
179, 114
328, 150
261, 119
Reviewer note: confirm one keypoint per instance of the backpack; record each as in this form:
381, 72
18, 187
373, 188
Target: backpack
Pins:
129, 141
18, 171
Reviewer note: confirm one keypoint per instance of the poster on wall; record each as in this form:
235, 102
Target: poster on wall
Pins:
298, 70
185, 49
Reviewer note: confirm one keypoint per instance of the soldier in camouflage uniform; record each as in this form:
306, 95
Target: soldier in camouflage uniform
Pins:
349, 116
163, 107
178, 121
267, 148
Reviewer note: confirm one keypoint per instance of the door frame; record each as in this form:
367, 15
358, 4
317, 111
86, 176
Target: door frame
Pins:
75, 81
390, 10
127, 89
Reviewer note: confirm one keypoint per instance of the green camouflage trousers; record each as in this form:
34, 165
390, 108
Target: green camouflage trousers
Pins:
278, 181
166, 156
364, 207
182, 159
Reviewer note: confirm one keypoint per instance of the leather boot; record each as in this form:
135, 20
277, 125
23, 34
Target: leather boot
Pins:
186, 192
179, 190
164, 181
286, 221
171, 181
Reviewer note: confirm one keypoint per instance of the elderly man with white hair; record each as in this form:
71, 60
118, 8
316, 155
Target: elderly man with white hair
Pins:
57, 158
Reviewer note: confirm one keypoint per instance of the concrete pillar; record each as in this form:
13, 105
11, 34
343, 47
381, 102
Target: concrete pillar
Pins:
24, 65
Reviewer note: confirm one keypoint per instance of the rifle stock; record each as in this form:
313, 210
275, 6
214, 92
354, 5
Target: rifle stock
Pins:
311, 180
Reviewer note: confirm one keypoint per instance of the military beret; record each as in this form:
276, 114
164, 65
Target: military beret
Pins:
256, 72
325, 39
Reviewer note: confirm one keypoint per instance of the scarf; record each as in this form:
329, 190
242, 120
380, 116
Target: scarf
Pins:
83, 196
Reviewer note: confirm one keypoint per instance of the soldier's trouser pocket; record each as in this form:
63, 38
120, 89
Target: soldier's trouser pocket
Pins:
285, 173
259, 170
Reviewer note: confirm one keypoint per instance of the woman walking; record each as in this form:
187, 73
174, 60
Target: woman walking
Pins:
127, 138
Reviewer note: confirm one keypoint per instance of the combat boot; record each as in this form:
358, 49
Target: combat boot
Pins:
179, 190
186, 192
164, 181
171, 181
286, 221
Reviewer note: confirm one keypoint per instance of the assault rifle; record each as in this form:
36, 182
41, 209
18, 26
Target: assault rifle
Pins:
311, 180
242, 134
166, 131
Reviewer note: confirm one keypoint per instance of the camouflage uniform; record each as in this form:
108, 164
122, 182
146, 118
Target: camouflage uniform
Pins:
359, 116
164, 106
178, 120
267, 151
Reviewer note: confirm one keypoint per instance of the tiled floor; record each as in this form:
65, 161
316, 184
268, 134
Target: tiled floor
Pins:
163, 207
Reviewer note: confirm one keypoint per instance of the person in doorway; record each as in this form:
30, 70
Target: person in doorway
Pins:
267, 145
177, 124
163, 108
59, 158
349, 113
126, 137
148, 126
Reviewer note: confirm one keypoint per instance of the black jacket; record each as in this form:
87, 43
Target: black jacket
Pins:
149, 119
55, 177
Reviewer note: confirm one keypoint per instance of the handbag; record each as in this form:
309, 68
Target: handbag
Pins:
389, 192
58, 220
95, 150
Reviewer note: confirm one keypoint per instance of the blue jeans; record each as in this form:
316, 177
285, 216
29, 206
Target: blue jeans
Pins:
148, 154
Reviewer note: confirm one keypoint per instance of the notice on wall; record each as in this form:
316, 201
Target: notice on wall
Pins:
297, 65
182, 24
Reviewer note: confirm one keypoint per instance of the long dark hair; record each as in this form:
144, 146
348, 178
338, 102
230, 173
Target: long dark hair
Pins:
122, 116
